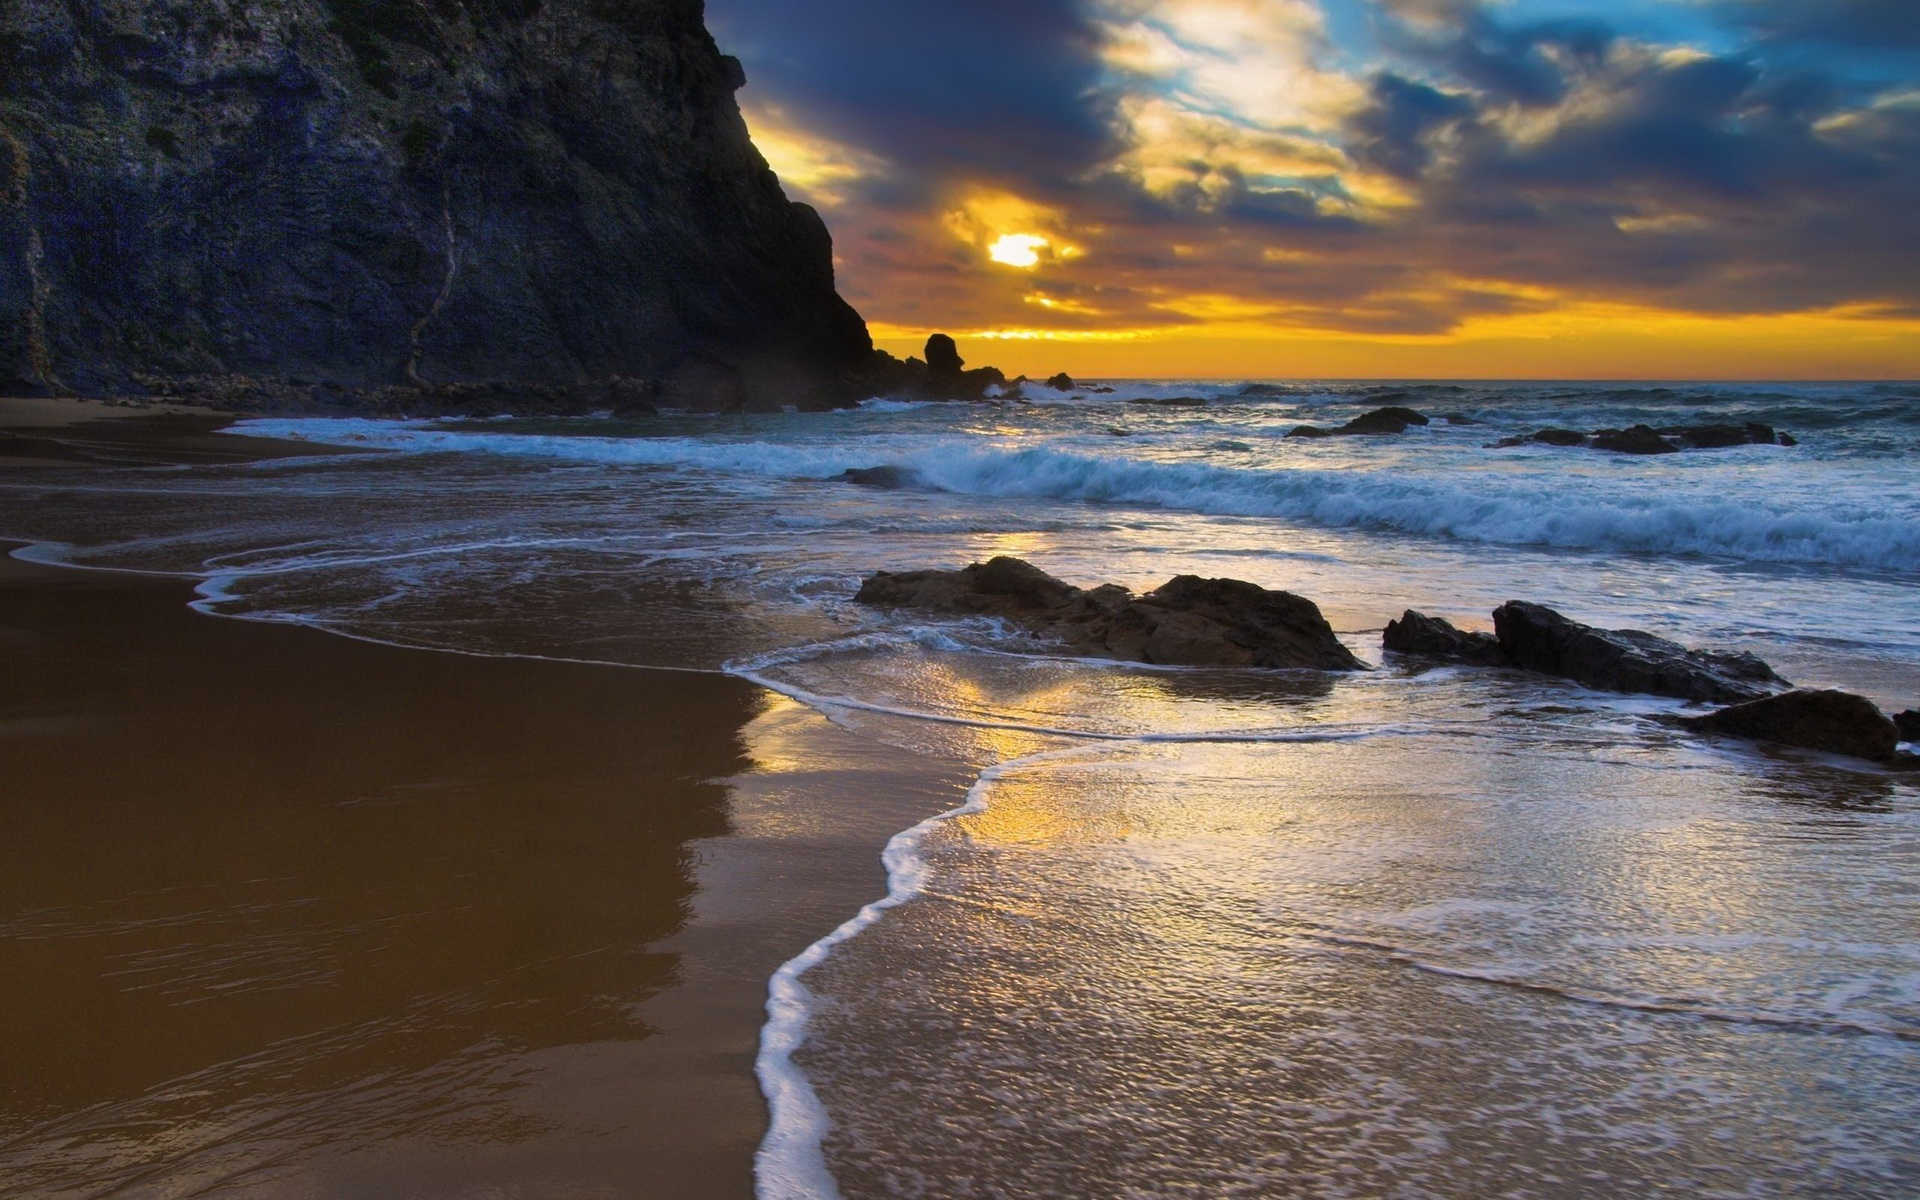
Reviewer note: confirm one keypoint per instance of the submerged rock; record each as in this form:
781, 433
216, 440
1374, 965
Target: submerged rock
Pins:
1188, 622
1431, 637
1381, 421
889, 478
1537, 638
1172, 401
1639, 439
1643, 439
1834, 722
1544, 437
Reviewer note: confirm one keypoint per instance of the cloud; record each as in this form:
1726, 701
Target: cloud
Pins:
1871, 24
1117, 167
994, 87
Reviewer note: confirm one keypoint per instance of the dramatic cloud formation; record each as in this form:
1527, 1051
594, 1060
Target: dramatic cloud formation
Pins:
1362, 186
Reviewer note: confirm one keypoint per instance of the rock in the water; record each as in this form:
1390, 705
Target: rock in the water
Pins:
1835, 722
1459, 419
1626, 660
1381, 421
1172, 401
1188, 622
943, 357
1431, 637
1545, 437
387, 193
1719, 437
1640, 439
1908, 723
889, 478
1384, 421
1062, 382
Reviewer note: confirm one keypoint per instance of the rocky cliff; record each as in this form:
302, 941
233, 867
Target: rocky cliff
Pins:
348, 194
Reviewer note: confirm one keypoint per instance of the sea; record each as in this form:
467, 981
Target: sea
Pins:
1411, 932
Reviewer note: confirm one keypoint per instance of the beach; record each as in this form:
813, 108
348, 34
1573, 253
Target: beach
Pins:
432, 808
289, 914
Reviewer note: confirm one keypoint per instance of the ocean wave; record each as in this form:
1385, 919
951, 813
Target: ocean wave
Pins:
1554, 509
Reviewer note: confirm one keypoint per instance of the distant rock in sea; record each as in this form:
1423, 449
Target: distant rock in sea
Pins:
1644, 439
1381, 421
1188, 622
296, 193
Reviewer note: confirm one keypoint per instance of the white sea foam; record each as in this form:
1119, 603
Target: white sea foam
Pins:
791, 1163
1535, 509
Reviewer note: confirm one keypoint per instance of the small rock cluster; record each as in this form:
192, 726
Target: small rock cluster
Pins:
1762, 706
1191, 621
1188, 622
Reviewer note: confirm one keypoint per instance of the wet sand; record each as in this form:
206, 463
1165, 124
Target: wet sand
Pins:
284, 914
37, 432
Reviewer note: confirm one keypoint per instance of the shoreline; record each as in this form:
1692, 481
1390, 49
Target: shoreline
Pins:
552, 935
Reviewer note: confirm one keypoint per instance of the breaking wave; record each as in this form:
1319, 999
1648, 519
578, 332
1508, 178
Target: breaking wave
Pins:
1565, 511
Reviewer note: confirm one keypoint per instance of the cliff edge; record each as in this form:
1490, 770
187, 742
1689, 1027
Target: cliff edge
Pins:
341, 195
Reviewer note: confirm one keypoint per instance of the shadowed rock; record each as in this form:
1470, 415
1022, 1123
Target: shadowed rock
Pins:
1908, 723
1834, 722
1172, 401
1188, 622
1062, 382
1640, 439
889, 478
1626, 660
1379, 422
1545, 437
1431, 637
943, 357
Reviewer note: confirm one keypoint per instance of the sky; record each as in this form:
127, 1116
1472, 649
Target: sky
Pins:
1616, 189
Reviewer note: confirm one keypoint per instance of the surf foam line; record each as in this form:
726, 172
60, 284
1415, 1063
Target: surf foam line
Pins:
791, 1161
1658, 1006
1532, 510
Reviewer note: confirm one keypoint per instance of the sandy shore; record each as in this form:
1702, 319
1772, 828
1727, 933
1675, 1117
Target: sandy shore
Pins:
43, 431
288, 915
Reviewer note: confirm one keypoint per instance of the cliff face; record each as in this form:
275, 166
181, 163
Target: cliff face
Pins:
368, 192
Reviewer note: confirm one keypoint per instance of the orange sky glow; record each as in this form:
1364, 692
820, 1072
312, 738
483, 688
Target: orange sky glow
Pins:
1263, 200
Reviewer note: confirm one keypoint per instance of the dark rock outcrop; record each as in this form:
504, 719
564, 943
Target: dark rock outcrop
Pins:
1171, 402
1537, 638
1908, 723
1834, 722
1188, 622
1427, 637
1062, 382
1381, 421
1719, 437
887, 478
1544, 437
367, 193
943, 357
1643, 439
1637, 439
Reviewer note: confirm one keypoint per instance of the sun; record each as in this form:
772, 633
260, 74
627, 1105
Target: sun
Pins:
1018, 250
